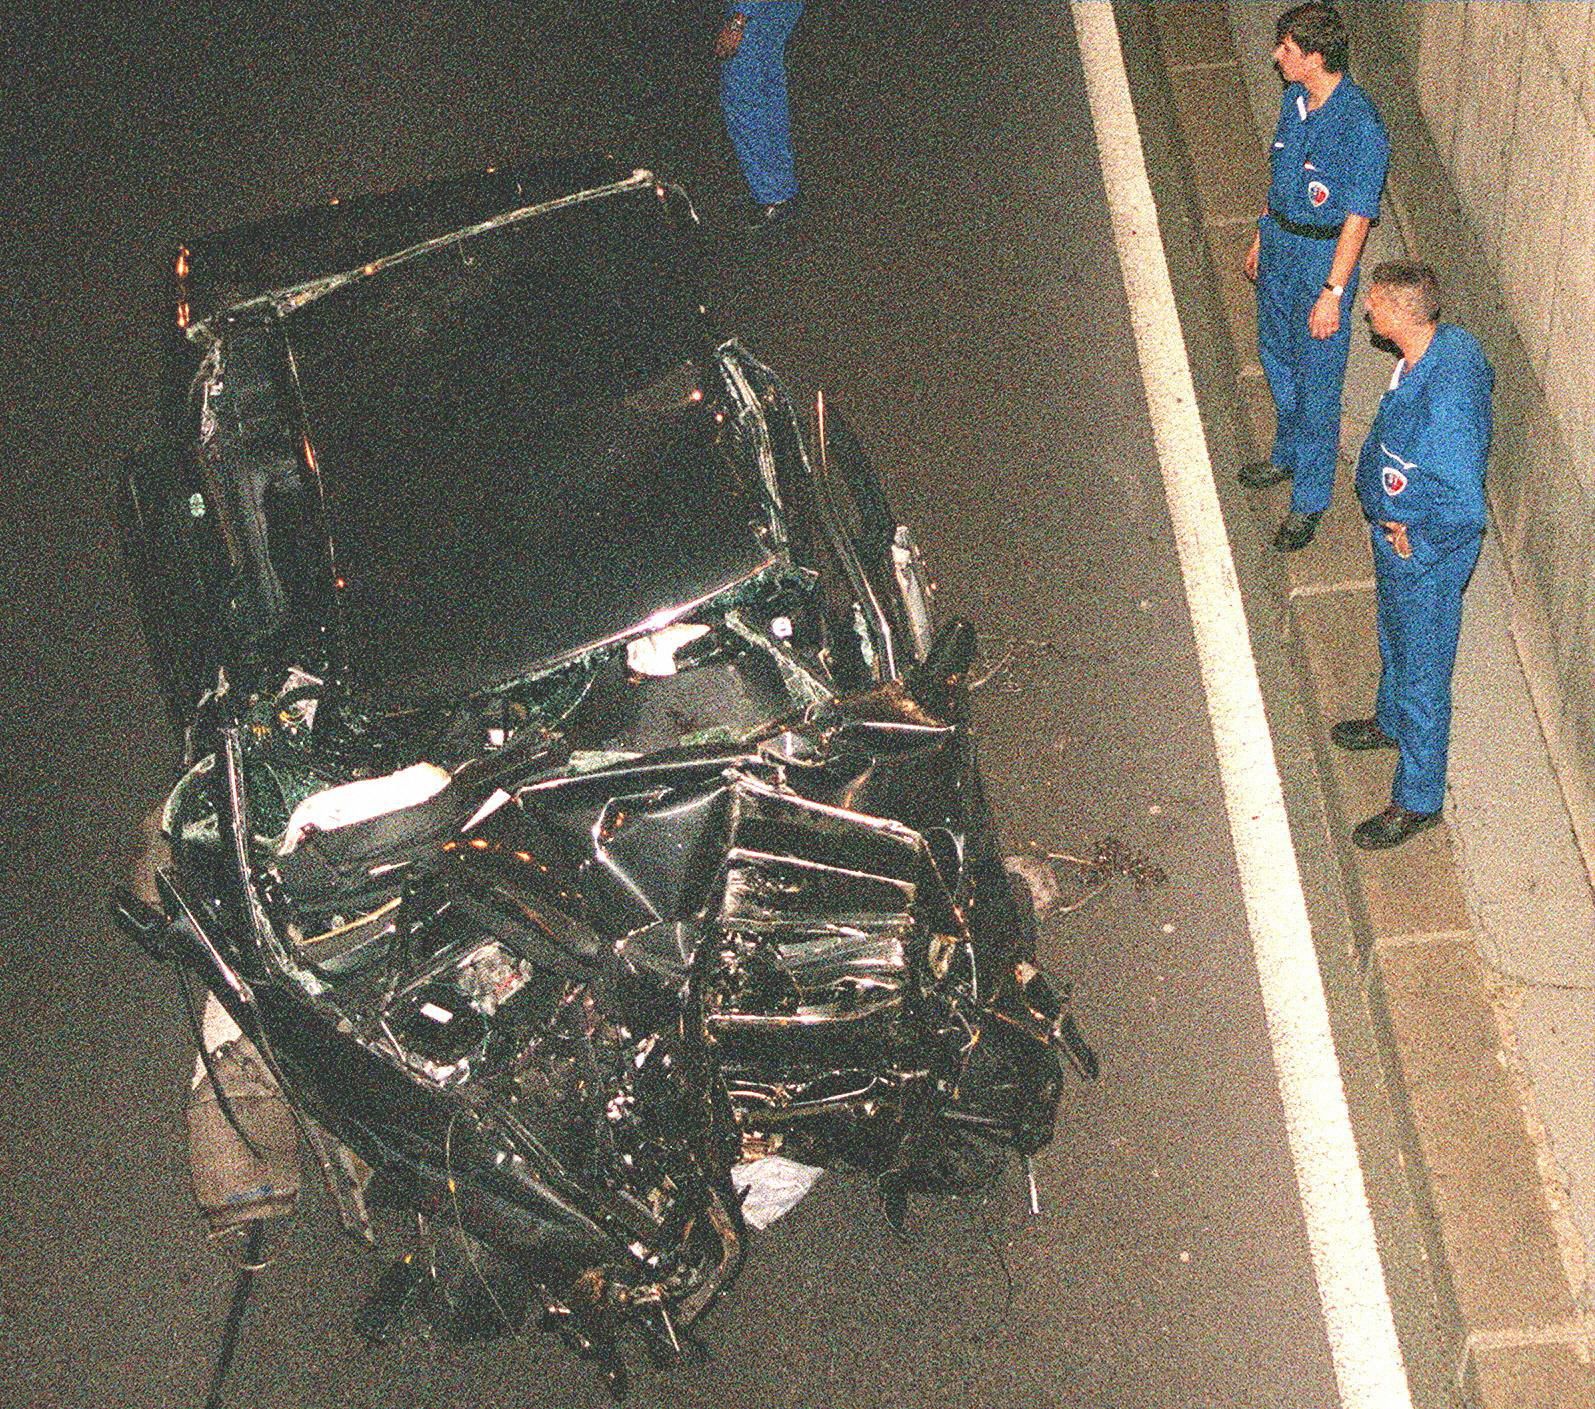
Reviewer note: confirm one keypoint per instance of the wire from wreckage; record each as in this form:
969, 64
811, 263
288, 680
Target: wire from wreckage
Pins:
247, 1268
268, 1056
459, 1222
1018, 649
223, 1100
1010, 1287
986, 676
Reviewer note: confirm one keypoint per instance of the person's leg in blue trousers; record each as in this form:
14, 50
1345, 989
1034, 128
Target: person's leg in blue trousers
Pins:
1420, 620
1305, 374
1321, 372
1277, 311
754, 99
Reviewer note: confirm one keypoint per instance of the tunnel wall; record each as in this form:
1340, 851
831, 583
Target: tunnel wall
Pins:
1506, 92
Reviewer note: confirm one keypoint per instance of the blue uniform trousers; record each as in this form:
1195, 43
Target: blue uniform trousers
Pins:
1420, 618
1305, 374
753, 98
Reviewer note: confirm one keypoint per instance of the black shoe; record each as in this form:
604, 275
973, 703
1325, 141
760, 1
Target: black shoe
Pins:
767, 217
1391, 827
1262, 473
1296, 531
1361, 734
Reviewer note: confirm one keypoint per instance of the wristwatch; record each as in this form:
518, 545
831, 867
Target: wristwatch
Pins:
1335, 289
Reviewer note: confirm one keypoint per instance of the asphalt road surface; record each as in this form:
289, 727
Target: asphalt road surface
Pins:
953, 288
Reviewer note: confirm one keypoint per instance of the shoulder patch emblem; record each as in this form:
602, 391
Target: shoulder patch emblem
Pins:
1395, 481
1317, 192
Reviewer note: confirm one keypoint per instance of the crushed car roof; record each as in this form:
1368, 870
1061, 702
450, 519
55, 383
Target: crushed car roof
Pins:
517, 425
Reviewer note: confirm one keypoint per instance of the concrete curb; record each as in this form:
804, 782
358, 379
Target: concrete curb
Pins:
1517, 1334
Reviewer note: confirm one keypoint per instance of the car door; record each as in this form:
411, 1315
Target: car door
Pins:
176, 564
894, 588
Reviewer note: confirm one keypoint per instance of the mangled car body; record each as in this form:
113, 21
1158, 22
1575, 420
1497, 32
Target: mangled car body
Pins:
576, 803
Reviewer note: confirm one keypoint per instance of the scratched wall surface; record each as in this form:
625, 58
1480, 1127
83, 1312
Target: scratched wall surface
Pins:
1507, 92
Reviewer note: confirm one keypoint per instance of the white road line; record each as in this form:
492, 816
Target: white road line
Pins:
1340, 1233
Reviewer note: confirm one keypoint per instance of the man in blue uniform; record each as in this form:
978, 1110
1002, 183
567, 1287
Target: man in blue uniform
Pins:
1420, 478
751, 47
1328, 161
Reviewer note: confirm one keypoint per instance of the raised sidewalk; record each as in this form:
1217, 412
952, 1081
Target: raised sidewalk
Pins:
1476, 940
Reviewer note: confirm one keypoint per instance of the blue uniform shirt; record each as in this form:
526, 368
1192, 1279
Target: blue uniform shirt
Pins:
1331, 162
1423, 461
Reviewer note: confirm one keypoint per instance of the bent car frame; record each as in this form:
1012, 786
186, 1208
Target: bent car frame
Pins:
577, 809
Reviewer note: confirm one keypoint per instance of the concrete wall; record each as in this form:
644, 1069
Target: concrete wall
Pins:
1506, 89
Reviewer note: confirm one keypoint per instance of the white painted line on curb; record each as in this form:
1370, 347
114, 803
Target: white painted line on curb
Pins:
1330, 589
1340, 1233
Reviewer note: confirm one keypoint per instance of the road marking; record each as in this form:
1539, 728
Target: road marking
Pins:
1339, 586
1340, 1234
1413, 938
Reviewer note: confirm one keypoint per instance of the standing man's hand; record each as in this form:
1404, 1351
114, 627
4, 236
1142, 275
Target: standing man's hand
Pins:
1324, 320
729, 39
1396, 536
1253, 256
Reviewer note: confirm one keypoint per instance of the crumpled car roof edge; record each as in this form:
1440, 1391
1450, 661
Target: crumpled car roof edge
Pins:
284, 261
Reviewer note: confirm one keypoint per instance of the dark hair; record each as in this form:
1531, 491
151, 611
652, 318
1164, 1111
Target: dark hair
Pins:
1415, 283
1317, 29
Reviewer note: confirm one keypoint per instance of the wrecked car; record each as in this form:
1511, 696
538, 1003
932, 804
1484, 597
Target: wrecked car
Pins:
577, 809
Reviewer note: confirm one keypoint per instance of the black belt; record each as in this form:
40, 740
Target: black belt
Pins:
1311, 232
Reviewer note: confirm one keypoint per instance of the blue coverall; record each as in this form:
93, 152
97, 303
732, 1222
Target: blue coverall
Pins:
1423, 466
1327, 164
753, 98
